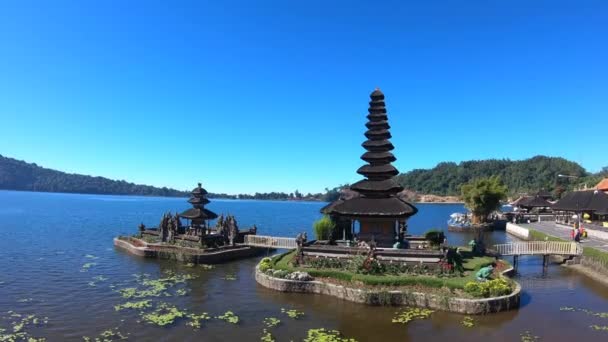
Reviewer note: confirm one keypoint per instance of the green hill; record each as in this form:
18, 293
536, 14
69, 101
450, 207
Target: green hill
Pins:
521, 176
19, 175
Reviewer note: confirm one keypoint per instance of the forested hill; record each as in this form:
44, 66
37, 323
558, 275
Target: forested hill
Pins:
19, 175
529, 175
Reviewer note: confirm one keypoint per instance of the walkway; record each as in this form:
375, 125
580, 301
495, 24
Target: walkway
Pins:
539, 248
270, 241
550, 228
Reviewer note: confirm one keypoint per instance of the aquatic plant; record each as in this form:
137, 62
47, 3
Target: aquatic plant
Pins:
229, 317
599, 327
164, 314
295, 314
468, 322
528, 337
195, 320
153, 287
566, 308
190, 264
206, 267
325, 335
229, 277
181, 292
271, 322
140, 305
85, 267
267, 336
19, 324
409, 314
89, 256
106, 336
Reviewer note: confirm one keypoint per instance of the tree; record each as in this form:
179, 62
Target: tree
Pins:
482, 196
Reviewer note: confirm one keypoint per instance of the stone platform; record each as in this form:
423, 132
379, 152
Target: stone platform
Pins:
141, 248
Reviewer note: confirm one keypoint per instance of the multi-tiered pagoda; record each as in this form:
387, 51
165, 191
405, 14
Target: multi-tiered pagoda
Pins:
376, 206
198, 215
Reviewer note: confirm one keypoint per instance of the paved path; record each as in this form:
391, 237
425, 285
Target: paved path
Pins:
562, 232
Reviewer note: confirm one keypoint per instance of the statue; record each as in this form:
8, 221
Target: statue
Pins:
300, 241
142, 229
164, 228
233, 230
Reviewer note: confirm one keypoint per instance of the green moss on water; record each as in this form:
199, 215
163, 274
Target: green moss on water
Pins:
229, 277
229, 317
164, 314
87, 266
19, 325
527, 336
267, 336
271, 322
326, 335
139, 305
295, 314
106, 336
468, 322
195, 320
409, 314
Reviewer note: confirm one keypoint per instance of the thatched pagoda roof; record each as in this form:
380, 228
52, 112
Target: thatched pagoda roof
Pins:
534, 202
197, 213
198, 200
376, 195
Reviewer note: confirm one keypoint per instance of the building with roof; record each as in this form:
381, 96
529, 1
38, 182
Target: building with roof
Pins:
591, 202
602, 185
199, 216
372, 204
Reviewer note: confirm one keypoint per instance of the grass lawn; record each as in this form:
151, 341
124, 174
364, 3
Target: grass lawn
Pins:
471, 265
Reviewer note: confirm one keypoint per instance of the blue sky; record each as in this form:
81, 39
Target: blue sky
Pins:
261, 95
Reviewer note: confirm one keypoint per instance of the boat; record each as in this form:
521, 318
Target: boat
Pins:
460, 222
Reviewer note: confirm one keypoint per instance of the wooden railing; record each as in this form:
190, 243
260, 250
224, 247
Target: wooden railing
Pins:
270, 241
539, 248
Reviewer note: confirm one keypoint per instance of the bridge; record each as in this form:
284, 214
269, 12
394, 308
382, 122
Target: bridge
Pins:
270, 241
544, 248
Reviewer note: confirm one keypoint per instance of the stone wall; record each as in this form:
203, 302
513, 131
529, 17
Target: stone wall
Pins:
406, 298
518, 231
141, 248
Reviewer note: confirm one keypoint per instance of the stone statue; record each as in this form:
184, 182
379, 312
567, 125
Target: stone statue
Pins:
233, 230
300, 241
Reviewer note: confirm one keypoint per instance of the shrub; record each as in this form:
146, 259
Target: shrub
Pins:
434, 236
491, 288
265, 264
323, 228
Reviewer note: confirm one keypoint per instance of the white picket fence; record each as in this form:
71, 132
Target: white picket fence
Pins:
270, 241
539, 248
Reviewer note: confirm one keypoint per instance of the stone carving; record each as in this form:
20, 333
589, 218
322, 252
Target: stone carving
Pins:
300, 241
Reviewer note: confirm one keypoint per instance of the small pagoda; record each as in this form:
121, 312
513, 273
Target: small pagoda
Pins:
198, 215
380, 212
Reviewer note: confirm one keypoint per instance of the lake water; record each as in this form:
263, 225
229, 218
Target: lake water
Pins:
46, 239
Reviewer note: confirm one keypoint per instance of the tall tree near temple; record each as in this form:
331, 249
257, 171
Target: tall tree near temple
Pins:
482, 196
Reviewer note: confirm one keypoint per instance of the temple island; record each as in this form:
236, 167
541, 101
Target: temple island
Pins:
197, 241
363, 252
